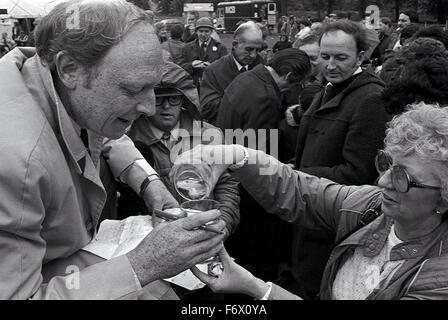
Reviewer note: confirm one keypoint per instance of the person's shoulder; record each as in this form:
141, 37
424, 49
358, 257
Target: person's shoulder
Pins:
222, 62
218, 45
165, 45
369, 79
33, 140
191, 44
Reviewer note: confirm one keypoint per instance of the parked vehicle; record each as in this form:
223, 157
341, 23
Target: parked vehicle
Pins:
231, 14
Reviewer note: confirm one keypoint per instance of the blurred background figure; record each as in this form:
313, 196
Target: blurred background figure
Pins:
190, 27
161, 31
387, 40
6, 44
283, 43
290, 29
175, 44
304, 29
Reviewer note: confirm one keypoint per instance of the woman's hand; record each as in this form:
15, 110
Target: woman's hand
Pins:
217, 158
233, 279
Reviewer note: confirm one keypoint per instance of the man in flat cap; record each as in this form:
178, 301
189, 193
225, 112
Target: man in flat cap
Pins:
198, 54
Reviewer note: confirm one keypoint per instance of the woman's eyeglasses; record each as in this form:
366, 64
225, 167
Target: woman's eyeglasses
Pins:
401, 180
172, 100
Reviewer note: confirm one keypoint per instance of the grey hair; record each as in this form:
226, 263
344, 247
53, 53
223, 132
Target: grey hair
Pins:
249, 26
86, 29
422, 131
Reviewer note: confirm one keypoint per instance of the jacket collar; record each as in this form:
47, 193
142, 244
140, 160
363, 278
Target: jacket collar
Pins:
237, 64
264, 75
374, 236
363, 79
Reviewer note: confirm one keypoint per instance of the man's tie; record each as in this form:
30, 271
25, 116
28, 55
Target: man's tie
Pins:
166, 137
203, 50
327, 93
243, 69
85, 138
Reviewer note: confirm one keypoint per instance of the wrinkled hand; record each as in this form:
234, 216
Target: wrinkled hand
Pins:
175, 246
233, 279
216, 157
157, 196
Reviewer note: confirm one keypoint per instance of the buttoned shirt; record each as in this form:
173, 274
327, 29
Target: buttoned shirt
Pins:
239, 66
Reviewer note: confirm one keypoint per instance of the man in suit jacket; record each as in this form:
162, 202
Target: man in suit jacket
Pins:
198, 54
253, 103
247, 42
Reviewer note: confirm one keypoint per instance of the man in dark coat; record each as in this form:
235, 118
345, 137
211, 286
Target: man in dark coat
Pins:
253, 101
339, 136
247, 41
198, 54
387, 40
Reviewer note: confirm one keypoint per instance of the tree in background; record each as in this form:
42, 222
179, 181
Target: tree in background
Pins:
438, 8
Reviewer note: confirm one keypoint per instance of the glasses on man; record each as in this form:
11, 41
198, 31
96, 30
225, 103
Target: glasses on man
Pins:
172, 100
401, 180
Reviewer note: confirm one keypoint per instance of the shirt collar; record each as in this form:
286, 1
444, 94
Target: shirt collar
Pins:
158, 134
238, 65
359, 70
207, 42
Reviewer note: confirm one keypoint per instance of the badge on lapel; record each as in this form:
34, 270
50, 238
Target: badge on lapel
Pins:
214, 49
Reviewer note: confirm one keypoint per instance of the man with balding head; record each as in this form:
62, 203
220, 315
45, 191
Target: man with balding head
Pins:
247, 42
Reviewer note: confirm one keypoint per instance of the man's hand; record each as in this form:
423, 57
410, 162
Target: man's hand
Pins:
175, 246
157, 196
197, 64
200, 64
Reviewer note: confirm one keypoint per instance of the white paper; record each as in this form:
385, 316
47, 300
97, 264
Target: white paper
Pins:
118, 237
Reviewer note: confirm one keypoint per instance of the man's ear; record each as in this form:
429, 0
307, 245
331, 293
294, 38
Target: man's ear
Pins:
68, 69
289, 77
361, 57
234, 43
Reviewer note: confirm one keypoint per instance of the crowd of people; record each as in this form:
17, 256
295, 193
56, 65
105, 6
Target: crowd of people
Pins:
336, 186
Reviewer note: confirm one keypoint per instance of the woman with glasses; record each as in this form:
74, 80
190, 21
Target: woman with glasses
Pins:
392, 239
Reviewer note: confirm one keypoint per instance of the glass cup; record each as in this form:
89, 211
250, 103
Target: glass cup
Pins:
214, 265
192, 182
194, 206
